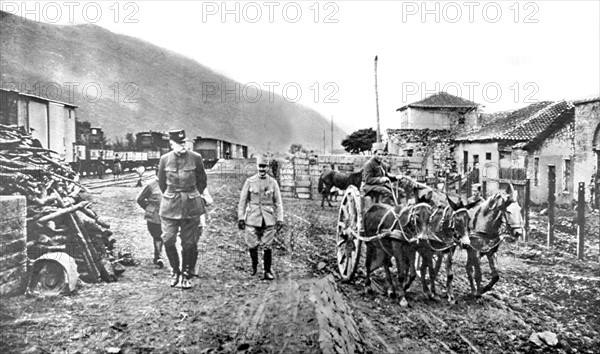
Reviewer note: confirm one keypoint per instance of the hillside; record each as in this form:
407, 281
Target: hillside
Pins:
69, 63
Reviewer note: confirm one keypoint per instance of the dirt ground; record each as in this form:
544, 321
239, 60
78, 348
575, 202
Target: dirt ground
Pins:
228, 311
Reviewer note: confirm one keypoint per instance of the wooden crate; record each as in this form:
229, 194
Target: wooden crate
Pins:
300, 190
303, 184
288, 183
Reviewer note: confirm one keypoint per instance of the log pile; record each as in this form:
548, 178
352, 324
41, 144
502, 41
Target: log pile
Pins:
58, 217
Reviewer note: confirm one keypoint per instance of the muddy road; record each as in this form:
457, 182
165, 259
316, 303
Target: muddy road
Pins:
229, 311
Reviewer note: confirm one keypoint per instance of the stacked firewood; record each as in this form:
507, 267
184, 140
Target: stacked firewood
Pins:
58, 217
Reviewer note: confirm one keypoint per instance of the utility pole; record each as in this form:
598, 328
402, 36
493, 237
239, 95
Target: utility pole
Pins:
332, 134
377, 102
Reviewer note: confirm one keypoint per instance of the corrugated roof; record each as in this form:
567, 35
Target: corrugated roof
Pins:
521, 125
441, 100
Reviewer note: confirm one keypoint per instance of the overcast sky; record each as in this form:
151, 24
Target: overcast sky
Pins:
502, 54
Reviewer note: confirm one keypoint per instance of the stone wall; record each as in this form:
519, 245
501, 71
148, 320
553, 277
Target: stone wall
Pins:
557, 149
587, 122
13, 250
426, 150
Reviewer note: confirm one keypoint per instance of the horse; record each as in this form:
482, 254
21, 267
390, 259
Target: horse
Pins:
396, 230
340, 180
485, 236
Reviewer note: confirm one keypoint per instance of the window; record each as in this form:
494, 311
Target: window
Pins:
536, 171
488, 156
409, 152
566, 174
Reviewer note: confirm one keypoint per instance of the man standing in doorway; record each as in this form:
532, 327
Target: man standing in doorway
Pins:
182, 179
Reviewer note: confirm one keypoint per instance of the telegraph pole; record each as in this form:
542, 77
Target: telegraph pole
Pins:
332, 134
377, 102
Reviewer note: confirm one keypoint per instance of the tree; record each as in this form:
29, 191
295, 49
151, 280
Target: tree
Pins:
82, 131
359, 141
130, 141
294, 148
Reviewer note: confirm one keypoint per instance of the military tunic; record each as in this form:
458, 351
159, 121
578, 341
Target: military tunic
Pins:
182, 179
260, 206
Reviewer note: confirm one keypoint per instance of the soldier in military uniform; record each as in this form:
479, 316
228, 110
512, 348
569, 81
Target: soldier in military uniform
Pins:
475, 197
149, 199
182, 179
260, 214
375, 176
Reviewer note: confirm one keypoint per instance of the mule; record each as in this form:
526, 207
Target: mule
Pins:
331, 178
450, 226
402, 227
485, 237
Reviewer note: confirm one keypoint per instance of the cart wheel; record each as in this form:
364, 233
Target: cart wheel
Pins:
349, 223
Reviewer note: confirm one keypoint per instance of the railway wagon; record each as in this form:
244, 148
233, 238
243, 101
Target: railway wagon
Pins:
213, 149
50, 121
154, 144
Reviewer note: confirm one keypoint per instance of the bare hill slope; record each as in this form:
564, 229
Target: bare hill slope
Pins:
124, 84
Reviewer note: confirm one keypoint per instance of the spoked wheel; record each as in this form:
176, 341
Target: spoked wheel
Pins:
349, 224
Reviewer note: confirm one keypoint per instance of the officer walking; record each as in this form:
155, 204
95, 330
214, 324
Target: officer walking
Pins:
182, 179
260, 213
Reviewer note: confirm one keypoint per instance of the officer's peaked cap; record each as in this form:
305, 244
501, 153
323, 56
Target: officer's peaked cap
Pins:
262, 160
177, 136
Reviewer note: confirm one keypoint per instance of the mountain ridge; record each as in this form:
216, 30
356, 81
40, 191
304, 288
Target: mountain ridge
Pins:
125, 84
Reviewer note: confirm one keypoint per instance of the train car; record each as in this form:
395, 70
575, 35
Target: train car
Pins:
49, 121
213, 149
154, 144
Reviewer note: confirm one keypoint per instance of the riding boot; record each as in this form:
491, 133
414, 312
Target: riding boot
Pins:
267, 264
193, 258
254, 258
186, 265
173, 257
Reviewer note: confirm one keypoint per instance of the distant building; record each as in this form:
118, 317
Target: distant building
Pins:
425, 131
441, 111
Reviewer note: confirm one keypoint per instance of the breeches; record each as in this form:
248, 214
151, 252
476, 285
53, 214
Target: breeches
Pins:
255, 236
188, 232
155, 231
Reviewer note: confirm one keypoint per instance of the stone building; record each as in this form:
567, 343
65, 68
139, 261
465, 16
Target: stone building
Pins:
426, 127
522, 144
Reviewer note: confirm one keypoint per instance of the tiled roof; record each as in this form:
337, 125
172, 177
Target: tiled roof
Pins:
441, 100
586, 100
521, 125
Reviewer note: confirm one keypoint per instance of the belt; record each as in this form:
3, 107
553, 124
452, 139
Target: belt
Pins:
181, 189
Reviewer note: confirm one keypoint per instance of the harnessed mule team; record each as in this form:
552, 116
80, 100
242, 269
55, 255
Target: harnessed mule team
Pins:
427, 228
